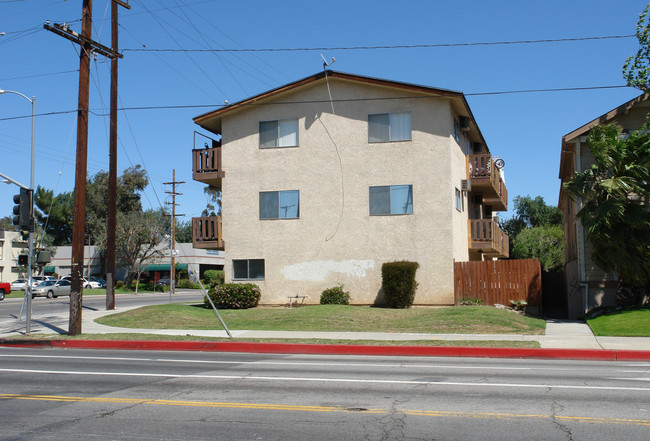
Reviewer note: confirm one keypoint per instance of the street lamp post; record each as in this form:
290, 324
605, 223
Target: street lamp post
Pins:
30, 255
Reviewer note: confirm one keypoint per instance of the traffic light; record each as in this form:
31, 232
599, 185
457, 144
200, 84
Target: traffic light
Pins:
22, 259
23, 210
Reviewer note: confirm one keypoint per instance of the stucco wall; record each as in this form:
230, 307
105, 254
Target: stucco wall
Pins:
335, 240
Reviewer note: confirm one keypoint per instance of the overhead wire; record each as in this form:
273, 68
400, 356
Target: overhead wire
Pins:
179, 45
396, 46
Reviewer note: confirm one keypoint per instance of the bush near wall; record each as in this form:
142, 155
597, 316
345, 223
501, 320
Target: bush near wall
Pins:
335, 296
234, 296
398, 283
213, 277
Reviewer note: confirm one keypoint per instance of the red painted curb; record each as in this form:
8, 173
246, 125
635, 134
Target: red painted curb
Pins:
290, 348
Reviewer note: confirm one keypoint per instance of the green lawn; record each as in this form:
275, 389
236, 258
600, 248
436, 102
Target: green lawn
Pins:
160, 337
632, 323
449, 320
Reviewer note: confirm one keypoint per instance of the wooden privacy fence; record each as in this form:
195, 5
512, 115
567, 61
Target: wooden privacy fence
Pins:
499, 281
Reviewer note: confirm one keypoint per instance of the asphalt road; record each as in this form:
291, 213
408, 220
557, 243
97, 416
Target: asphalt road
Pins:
53, 314
149, 395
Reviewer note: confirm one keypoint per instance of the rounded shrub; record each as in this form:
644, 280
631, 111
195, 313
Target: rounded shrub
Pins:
119, 284
213, 277
234, 296
398, 282
335, 296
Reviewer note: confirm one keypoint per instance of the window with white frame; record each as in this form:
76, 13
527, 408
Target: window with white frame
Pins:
391, 199
460, 203
247, 269
387, 127
456, 130
280, 204
282, 133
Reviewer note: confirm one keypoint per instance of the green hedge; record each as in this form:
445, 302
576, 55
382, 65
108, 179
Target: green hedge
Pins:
234, 296
213, 277
398, 282
335, 296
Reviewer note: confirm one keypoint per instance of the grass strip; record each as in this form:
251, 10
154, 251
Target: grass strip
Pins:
630, 323
332, 318
320, 341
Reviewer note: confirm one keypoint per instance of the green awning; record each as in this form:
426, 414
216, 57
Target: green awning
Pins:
166, 267
48, 269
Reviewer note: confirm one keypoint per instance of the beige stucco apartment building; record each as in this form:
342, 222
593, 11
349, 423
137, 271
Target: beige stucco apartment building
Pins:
326, 178
587, 286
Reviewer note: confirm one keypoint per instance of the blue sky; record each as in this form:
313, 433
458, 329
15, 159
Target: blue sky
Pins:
525, 129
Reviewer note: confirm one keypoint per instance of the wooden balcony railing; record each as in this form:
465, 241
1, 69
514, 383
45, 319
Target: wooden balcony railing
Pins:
486, 236
206, 232
485, 178
206, 166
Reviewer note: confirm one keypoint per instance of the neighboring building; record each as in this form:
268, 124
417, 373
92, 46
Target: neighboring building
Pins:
188, 258
318, 192
587, 286
10, 248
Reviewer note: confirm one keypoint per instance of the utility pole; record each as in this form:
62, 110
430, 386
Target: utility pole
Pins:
111, 220
88, 46
172, 278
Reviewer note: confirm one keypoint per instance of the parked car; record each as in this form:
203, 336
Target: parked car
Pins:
163, 282
87, 284
52, 289
18, 284
5, 288
102, 282
37, 280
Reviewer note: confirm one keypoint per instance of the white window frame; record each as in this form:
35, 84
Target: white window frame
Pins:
460, 202
393, 132
284, 128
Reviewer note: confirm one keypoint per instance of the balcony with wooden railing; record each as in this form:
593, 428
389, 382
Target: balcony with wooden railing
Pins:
207, 233
486, 236
485, 179
206, 166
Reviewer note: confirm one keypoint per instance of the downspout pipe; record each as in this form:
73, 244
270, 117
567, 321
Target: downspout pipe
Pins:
580, 233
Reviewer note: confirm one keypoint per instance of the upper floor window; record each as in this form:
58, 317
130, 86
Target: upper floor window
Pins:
385, 127
283, 133
391, 199
280, 204
460, 203
456, 130
248, 269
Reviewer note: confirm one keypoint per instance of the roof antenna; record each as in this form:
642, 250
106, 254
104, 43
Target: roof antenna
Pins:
325, 63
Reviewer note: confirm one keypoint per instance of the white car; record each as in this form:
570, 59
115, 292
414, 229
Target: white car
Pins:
87, 284
18, 284
37, 280
52, 289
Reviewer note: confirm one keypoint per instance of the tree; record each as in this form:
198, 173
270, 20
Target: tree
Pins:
138, 237
54, 213
7, 224
536, 231
615, 194
184, 231
636, 70
213, 197
545, 243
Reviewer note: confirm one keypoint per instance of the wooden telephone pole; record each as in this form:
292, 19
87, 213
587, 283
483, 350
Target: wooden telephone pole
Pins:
172, 269
111, 220
88, 47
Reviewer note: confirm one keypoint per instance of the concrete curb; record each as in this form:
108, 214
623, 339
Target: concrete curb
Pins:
291, 348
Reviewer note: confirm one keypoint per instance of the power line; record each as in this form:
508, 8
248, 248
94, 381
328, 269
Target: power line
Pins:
399, 46
40, 75
197, 106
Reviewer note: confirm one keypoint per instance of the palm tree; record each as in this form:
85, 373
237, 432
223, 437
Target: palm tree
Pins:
615, 193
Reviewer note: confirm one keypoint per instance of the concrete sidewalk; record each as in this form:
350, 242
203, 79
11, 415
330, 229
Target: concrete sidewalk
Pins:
560, 334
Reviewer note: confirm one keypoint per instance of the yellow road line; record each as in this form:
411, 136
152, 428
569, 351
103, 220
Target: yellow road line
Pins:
262, 406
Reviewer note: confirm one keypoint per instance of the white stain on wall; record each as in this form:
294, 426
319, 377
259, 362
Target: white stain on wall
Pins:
317, 270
